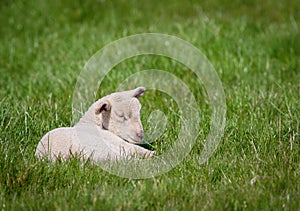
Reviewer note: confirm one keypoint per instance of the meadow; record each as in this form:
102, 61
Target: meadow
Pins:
254, 47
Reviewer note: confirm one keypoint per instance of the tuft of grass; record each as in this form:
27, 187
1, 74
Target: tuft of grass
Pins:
254, 47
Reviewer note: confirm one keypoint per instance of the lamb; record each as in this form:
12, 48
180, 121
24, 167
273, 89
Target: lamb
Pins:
109, 130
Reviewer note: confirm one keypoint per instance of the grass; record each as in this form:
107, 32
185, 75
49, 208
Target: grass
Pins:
254, 47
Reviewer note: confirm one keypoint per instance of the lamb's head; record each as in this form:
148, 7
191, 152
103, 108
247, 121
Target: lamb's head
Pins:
120, 113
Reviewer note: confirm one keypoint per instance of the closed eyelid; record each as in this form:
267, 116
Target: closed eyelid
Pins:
120, 114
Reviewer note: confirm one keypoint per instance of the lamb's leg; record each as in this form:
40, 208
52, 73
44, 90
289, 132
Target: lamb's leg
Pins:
144, 152
132, 149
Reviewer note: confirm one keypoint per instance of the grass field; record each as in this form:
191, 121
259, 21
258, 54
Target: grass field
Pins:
255, 49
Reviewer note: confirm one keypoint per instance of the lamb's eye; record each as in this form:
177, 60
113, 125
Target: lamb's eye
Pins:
121, 116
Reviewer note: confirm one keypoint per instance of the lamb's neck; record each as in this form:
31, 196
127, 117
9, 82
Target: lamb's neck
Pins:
88, 117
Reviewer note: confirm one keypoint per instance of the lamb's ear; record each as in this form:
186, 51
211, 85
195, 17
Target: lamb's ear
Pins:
102, 105
138, 92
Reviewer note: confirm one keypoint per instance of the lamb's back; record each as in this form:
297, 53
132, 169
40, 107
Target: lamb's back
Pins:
60, 142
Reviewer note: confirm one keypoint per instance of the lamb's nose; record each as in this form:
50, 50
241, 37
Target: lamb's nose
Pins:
140, 134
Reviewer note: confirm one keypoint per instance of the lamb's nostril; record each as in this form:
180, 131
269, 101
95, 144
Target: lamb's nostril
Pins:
140, 134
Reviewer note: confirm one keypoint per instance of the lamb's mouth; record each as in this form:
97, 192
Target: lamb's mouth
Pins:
133, 140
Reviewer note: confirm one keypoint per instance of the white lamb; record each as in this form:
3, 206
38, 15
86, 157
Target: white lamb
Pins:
109, 130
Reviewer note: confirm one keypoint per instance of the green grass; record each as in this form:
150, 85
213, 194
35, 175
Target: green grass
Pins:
255, 49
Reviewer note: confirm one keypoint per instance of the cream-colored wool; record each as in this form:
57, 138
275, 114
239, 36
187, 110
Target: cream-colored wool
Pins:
109, 130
